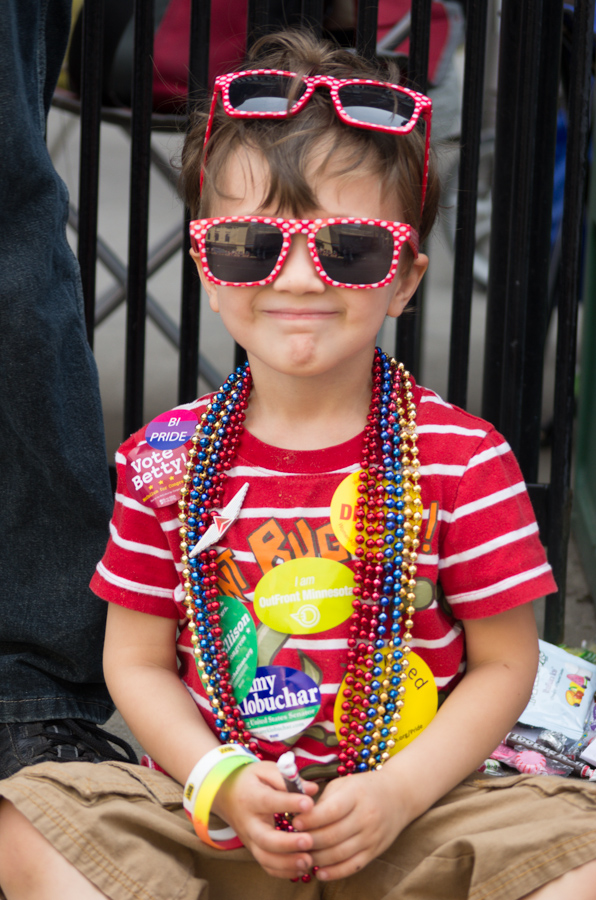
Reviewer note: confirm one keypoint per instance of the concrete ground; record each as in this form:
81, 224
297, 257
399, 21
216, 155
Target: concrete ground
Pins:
161, 356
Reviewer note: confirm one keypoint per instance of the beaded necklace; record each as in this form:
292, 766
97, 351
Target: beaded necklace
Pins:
387, 524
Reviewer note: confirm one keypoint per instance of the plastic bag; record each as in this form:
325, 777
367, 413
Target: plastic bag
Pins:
563, 692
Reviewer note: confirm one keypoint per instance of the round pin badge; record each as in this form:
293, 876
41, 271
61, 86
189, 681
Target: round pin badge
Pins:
240, 643
305, 596
421, 701
154, 477
171, 429
281, 702
343, 511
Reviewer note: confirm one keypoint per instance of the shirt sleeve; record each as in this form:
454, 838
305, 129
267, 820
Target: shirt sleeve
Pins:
491, 557
137, 569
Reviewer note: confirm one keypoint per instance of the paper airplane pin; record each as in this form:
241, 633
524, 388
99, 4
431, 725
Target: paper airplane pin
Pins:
221, 521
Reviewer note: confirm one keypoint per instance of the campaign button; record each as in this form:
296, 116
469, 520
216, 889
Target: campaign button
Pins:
343, 511
421, 701
171, 429
281, 702
305, 596
155, 478
240, 643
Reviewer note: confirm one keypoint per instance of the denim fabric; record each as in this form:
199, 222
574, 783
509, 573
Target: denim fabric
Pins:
55, 498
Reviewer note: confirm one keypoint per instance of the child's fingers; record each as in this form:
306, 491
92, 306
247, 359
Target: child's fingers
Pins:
273, 801
346, 866
331, 810
334, 835
282, 866
282, 854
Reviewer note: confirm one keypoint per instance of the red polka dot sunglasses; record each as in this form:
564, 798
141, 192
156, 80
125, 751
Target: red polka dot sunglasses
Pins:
360, 102
347, 252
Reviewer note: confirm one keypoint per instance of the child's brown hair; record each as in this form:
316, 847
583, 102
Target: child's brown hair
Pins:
287, 144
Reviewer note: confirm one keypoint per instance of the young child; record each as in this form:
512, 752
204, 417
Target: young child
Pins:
347, 552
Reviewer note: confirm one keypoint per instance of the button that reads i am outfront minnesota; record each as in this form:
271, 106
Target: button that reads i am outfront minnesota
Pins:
305, 596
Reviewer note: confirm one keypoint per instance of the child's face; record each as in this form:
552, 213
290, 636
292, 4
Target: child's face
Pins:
298, 325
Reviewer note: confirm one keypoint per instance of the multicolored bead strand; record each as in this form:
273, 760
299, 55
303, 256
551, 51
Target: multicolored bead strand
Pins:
388, 522
388, 517
214, 447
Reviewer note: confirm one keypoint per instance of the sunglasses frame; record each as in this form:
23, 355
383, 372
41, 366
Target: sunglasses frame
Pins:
400, 231
422, 106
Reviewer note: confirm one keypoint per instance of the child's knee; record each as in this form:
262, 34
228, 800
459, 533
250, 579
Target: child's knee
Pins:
579, 884
21, 848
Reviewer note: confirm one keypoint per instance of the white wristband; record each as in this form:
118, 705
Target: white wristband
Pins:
202, 785
204, 766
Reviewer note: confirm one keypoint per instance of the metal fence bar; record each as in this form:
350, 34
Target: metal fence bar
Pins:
311, 15
190, 309
525, 132
538, 251
419, 45
258, 19
366, 27
409, 328
140, 163
505, 138
91, 86
465, 230
522, 110
573, 216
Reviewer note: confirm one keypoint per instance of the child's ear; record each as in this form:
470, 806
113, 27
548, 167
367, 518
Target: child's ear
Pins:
405, 285
210, 288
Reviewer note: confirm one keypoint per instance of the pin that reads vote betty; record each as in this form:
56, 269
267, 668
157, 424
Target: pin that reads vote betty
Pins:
155, 470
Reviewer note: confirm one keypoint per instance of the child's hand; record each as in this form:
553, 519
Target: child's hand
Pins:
248, 801
355, 820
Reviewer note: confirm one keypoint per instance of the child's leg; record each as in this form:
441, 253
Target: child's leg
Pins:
577, 884
121, 827
31, 869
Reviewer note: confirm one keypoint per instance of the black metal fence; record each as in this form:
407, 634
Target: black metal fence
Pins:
520, 301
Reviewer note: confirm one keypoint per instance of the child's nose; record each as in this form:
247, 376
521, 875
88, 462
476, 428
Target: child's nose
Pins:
298, 274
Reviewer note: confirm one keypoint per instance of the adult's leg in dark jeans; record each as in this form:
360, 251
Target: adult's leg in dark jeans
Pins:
56, 498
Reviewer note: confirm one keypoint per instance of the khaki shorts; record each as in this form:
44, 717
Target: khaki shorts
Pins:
491, 838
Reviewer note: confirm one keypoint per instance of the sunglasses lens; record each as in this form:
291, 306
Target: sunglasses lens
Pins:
241, 252
263, 93
375, 105
355, 254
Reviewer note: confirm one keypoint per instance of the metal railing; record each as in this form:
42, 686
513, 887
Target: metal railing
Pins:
518, 302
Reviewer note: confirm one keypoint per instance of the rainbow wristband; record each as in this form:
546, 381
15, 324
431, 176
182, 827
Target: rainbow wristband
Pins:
203, 784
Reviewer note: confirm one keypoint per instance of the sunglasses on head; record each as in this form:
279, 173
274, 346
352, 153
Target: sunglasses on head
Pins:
347, 252
360, 102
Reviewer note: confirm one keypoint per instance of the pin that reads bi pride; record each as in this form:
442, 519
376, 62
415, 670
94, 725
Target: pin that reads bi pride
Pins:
171, 429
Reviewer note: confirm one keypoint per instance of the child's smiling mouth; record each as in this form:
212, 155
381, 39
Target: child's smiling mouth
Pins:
305, 312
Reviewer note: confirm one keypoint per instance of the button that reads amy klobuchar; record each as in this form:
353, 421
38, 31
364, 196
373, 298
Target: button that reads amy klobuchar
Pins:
281, 702
305, 596
171, 429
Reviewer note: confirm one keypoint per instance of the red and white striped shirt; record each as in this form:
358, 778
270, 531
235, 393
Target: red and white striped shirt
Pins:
484, 555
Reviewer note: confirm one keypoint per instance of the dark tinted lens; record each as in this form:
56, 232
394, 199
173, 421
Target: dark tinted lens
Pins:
376, 105
243, 251
263, 93
355, 254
